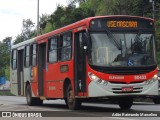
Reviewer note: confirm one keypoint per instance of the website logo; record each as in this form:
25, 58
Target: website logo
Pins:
6, 114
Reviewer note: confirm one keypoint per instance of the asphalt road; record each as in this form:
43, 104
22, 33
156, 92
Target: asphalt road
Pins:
57, 108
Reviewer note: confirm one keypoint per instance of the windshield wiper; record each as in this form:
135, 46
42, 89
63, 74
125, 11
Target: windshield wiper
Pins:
137, 43
111, 36
136, 39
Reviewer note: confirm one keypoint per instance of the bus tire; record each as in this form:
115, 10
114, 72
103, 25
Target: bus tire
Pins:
156, 100
125, 103
29, 98
65, 100
31, 101
72, 102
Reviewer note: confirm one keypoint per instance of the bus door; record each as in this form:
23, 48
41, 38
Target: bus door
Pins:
41, 67
20, 75
79, 64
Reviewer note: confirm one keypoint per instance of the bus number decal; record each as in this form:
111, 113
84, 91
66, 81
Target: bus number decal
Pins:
140, 77
116, 77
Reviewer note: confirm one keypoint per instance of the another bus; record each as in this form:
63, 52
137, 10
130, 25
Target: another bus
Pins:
97, 57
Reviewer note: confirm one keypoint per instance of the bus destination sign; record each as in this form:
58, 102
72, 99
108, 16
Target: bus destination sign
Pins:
122, 24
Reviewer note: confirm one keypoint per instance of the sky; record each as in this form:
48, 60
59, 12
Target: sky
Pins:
12, 13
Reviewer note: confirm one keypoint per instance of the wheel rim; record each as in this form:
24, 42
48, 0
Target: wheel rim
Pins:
70, 97
28, 97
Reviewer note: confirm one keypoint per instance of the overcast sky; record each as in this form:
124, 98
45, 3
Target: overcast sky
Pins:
12, 13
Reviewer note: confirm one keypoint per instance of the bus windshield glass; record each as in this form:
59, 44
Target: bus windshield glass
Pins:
122, 49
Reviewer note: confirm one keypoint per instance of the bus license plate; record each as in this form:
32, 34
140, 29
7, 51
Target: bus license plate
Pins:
127, 89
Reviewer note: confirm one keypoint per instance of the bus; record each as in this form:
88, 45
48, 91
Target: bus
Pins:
102, 57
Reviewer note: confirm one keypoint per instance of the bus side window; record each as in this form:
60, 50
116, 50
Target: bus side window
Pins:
26, 60
52, 49
65, 46
14, 59
33, 50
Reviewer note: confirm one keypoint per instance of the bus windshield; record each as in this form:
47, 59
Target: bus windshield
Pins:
122, 49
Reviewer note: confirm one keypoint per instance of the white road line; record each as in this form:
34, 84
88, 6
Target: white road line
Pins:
120, 118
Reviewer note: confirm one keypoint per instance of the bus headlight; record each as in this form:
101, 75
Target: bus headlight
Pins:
155, 77
96, 79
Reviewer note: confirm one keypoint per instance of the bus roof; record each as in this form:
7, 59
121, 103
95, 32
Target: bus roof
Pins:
84, 22
23, 43
129, 16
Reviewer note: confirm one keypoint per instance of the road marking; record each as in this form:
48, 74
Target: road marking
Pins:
7, 108
120, 118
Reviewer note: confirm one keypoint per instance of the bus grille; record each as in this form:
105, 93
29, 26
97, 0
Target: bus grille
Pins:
125, 82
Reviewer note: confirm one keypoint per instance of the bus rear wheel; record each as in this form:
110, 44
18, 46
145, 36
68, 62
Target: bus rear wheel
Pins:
125, 103
31, 101
72, 102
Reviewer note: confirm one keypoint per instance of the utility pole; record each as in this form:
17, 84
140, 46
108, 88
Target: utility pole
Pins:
37, 17
153, 8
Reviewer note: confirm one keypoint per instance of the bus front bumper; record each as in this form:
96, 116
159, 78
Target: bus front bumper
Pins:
114, 89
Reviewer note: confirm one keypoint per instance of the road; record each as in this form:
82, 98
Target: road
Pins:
57, 108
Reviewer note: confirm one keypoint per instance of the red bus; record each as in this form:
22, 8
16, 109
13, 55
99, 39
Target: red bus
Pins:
98, 57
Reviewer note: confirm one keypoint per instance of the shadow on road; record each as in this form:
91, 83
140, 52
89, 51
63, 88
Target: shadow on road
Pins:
86, 108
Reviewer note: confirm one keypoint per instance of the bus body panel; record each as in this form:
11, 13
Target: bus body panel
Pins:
117, 82
34, 81
127, 79
14, 84
55, 77
18, 84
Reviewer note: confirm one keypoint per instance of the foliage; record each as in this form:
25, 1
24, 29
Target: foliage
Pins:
7, 72
43, 23
6, 93
19, 38
64, 16
47, 28
5, 47
27, 28
5, 52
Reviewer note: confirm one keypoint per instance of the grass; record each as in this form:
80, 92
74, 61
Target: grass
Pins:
5, 93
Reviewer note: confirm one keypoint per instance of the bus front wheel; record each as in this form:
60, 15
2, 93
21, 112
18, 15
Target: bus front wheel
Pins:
72, 102
125, 103
31, 101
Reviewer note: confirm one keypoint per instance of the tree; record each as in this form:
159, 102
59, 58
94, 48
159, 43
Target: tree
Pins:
76, 1
5, 46
7, 42
5, 51
19, 38
64, 16
43, 23
27, 31
27, 28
